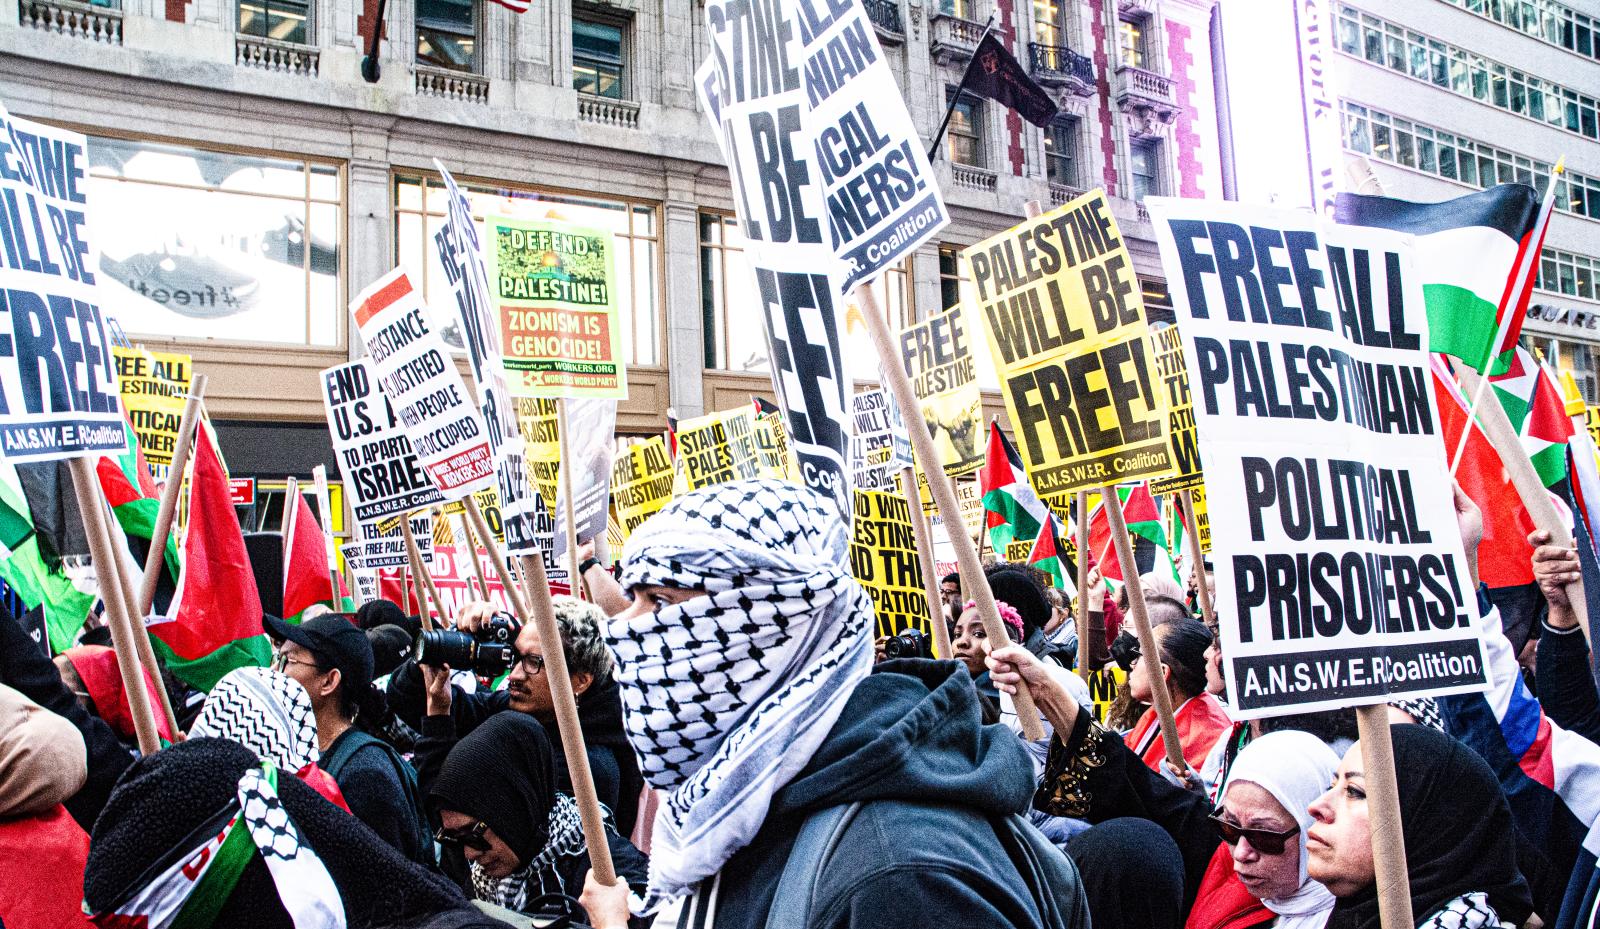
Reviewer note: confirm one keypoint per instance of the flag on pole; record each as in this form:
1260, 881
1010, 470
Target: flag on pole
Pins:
216, 613
1011, 508
994, 73
1144, 522
1047, 556
135, 500
1536, 409
306, 574
1473, 254
36, 582
1582, 462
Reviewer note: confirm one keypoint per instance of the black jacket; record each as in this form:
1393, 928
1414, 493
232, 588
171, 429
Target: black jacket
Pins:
25, 667
616, 772
922, 850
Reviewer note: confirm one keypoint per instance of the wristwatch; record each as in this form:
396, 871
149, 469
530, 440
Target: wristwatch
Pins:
586, 564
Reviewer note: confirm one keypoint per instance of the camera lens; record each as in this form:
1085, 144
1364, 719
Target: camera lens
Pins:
445, 647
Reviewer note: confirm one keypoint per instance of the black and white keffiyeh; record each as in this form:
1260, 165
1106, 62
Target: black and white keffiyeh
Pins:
267, 712
727, 696
1468, 911
541, 875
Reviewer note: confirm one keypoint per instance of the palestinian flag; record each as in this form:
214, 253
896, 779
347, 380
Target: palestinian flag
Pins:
1144, 531
1536, 409
1048, 554
36, 581
307, 577
1011, 509
133, 495
1474, 255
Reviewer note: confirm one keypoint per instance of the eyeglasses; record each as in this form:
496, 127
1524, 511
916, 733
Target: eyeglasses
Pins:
531, 663
470, 837
281, 662
1262, 840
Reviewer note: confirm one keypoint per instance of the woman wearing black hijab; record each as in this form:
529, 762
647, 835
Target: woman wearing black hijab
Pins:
508, 837
1459, 839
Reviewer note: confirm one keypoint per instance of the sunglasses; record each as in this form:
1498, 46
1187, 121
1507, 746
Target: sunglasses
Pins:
1263, 841
470, 837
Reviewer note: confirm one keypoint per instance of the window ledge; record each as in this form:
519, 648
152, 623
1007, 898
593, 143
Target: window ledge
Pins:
274, 55
78, 20
608, 111
452, 85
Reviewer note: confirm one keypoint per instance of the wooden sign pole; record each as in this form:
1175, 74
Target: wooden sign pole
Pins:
542, 615
930, 575
1149, 651
86, 487
1383, 807
320, 475
466, 541
141, 632
425, 588
1202, 582
565, 480
1083, 585
944, 495
169, 496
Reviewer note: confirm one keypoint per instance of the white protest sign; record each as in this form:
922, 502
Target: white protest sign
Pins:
376, 547
872, 446
528, 527
375, 456
591, 434
414, 370
1341, 578
58, 382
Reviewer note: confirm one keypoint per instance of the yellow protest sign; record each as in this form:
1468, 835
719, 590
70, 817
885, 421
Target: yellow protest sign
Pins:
154, 387
1065, 320
937, 354
772, 443
1202, 519
488, 503
536, 421
1591, 420
1168, 350
883, 560
715, 449
641, 484
1104, 685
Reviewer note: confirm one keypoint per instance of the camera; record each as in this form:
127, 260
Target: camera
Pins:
1125, 650
490, 653
909, 643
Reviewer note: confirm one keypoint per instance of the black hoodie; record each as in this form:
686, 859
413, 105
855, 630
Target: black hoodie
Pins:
921, 851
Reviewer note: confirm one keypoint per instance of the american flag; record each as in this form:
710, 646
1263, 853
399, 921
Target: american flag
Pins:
515, 6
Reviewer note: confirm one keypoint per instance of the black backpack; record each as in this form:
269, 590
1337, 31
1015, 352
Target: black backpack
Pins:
353, 741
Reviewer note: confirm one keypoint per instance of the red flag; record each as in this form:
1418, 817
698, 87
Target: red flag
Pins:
1138, 512
216, 603
305, 563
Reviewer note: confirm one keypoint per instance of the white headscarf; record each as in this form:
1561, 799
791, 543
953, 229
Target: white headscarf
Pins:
1295, 768
267, 712
727, 696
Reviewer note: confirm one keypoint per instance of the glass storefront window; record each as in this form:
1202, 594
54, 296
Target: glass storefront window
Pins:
202, 244
420, 207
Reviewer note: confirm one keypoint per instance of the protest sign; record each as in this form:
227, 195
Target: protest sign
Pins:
488, 504
937, 355
872, 445
155, 389
1167, 347
1104, 685
415, 373
526, 521
883, 560
641, 484
1202, 519
375, 456
366, 586
554, 287
1345, 582
1065, 319
772, 443
715, 449
376, 546
58, 382
591, 445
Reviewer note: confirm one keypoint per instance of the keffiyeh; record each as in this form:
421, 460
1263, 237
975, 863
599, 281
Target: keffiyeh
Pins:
727, 696
267, 712
539, 876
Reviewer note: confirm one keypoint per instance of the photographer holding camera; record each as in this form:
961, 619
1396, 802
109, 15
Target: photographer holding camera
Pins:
488, 641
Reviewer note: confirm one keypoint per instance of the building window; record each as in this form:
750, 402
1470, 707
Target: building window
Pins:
447, 34
598, 57
1145, 156
1061, 152
1132, 42
1047, 22
1564, 354
202, 244
283, 20
420, 207
1568, 274
958, 8
964, 139
1545, 20
1467, 73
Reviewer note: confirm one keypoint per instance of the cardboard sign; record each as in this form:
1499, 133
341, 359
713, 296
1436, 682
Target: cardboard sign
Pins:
883, 559
937, 354
715, 449
242, 491
375, 456
1343, 581
155, 389
58, 382
527, 522
375, 546
415, 371
554, 286
1167, 347
641, 484
1065, 318
872, 446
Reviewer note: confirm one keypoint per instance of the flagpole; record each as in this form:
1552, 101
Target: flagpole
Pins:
1082, 605
141, 632
462, 534
930, 576
1530, 260
169, 496
950, 108
564, 478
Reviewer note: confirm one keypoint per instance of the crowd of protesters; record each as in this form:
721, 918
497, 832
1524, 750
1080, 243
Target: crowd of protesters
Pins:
759, 761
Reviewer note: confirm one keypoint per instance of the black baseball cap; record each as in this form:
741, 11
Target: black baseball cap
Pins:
336, 642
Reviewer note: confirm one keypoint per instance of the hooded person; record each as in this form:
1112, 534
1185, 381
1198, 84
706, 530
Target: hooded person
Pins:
509, 837
1461, 856
277, 854
269, 713
42, 763
744, 665
97, 669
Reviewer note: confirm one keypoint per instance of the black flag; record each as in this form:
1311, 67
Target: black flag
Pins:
993, 73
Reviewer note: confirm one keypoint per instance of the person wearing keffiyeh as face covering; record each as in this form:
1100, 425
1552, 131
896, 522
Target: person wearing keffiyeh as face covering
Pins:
744, 664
